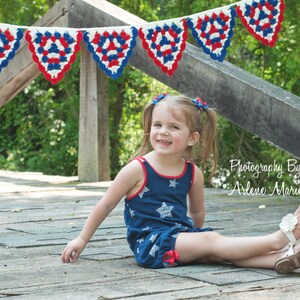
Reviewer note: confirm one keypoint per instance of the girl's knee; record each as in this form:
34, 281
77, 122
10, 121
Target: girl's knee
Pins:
214, 243
211, 237
199, 239
193, 246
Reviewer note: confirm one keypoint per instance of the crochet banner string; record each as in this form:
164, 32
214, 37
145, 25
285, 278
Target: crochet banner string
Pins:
54, 49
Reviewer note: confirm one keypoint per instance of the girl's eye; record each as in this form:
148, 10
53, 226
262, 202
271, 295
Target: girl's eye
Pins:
174, 127
156, 125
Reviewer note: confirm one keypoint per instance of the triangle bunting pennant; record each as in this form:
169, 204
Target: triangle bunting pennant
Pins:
111, 49
213, 31
54, 51
165, 44
262, 18
9, 44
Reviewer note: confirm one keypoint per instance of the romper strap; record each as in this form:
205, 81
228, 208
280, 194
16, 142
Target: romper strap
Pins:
141, 159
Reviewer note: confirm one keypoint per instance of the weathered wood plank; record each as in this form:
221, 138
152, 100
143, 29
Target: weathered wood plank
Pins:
93, 163
252, 103
22, 70
108, 278
106, 269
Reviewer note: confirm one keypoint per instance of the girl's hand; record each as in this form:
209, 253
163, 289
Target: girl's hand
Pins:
124, 182
73, 250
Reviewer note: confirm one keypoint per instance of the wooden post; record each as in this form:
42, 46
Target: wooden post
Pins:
93, 164
256, 105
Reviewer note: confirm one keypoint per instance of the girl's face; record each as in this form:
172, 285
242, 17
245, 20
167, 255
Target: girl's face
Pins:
169, 131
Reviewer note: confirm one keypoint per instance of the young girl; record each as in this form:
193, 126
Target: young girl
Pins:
162, 228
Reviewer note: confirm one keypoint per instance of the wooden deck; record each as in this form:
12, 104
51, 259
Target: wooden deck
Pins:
39, 214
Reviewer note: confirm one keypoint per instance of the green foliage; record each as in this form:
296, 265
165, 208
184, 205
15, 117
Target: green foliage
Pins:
25, 12
238, 144
278, 65
145, 9
39, 127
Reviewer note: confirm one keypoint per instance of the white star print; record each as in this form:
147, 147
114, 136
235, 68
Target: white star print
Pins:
153, 250
153, 237
131, 211
173, 183
176, 226
140, 240
146, 228
145, 190
165, 210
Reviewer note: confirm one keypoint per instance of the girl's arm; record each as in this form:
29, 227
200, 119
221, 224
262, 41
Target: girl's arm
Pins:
196, 199
127, 178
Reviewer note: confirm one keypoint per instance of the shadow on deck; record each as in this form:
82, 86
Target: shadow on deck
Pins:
39, 214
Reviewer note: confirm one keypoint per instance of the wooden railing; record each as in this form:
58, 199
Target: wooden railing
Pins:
254, 104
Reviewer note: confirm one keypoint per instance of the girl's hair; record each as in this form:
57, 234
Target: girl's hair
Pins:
203, 121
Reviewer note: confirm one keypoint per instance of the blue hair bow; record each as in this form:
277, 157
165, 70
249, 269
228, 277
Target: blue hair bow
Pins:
200, 103
159, 97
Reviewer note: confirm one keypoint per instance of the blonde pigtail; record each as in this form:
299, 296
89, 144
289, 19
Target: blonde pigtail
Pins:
147, 119
209, 140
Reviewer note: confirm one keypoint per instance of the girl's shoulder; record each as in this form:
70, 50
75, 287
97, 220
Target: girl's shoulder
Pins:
130, 175
135, 165
135, 173
198, 176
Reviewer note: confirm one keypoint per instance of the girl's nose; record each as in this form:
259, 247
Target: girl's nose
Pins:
164, 131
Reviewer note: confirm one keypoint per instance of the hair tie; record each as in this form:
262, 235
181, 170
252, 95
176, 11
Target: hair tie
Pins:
200, 103
158, 98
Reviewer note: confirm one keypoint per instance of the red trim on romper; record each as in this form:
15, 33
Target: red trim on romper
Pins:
141, 160
168, 176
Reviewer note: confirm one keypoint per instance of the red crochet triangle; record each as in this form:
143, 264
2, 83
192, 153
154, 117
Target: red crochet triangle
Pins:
165, 44
53, 51
263, 19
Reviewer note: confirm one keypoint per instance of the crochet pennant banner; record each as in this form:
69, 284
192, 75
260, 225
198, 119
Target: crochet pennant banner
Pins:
213, 31
9, 44
111, 49
262, 19
165, 44
55, 49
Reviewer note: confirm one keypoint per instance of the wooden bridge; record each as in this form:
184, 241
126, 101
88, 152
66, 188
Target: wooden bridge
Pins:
39, 214
274, 113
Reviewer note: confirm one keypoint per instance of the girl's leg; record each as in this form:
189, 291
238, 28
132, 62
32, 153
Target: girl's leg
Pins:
246, 251
266, 261
215, 247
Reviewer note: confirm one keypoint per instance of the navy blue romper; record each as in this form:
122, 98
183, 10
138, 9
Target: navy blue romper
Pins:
156, 214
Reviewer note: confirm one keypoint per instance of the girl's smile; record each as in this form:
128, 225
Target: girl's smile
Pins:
164, 142
169, 132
